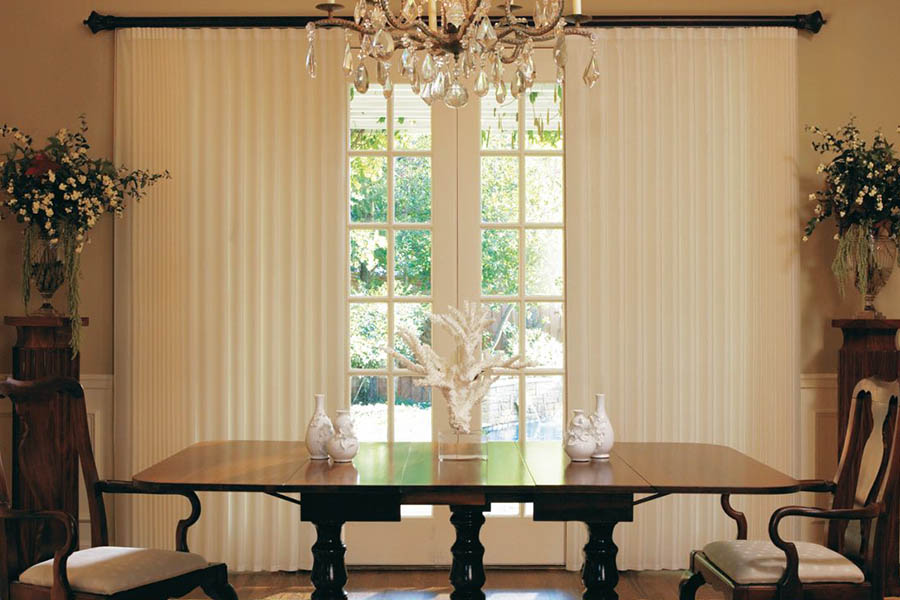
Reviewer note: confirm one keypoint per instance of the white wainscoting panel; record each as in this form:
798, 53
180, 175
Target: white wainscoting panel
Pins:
98, 396
818, 442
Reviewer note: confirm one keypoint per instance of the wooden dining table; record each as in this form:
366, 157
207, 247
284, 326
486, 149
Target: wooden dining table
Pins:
383, 476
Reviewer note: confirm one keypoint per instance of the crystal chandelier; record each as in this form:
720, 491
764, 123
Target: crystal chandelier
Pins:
448, 47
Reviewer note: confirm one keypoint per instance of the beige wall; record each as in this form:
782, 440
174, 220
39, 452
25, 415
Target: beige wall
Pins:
55, 69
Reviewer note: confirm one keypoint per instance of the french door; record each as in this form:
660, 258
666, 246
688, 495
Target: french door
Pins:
448, 206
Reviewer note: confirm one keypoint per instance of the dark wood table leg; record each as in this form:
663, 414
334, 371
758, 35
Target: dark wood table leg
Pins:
329, 575
600, 574
467, 570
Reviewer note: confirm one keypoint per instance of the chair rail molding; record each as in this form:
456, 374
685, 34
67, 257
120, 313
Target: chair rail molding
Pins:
98, 396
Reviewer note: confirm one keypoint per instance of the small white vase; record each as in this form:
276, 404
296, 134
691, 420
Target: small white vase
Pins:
343, 445
602, 429
580, 442
319, 431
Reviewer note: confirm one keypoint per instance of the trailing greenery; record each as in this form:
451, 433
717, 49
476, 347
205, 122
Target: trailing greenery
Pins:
59, 194
855, 253
862, 195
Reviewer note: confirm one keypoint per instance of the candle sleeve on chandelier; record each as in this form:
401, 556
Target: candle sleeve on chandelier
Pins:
432, 15
576, 7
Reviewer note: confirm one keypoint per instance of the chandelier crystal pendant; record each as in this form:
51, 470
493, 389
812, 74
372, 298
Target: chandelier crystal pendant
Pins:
451, 49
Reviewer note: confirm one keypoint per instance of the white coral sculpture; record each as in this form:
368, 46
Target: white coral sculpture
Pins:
467, 381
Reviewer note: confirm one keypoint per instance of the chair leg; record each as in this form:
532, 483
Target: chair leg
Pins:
687, 589
220, 590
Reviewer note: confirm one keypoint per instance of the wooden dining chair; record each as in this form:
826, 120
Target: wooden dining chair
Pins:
39, 555
852, 564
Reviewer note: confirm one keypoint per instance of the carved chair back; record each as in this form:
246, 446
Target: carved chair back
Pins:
867, 473
51, 428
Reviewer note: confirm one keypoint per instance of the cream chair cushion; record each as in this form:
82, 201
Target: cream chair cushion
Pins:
759, 562
107, 570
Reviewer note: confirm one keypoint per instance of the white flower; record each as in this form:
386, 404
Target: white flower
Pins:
820, 168
859, 200
850, 159
82, 179
51, 176
805, 238
812, 196
837, 237
62, 187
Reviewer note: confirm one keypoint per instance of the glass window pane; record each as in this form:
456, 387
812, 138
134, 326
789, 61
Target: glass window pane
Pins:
368, 262
503, 335
499, 124
414, 317
544, 189
499, 262
500, 410
412, 120
544, 262
415, 510
499, 189
503, 509
368, 189
368, 407
544, 335
412, 189
543, 117
368, 119
544, 408
412, 263
368, 335
412, 411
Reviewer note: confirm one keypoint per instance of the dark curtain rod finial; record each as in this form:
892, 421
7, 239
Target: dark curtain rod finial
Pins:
811, 22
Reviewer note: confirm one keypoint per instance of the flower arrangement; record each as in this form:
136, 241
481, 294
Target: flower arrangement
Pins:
862, 194
467, 380
58, 193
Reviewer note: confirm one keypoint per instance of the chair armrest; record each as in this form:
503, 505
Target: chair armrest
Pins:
789, 585
60, 589
817, 485
738, 516
109, 486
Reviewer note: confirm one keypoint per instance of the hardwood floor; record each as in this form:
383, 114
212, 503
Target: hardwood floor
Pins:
503, 584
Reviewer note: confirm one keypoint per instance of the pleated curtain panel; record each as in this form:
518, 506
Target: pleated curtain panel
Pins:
682, 243
229, 288
682, 259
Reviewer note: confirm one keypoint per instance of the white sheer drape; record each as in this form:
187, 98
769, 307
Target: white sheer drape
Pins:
683, 232
229, 287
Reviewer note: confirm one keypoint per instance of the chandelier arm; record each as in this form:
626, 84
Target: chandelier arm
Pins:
429, 34
392, 20
508, 60
537, 32
579, 31
343, 24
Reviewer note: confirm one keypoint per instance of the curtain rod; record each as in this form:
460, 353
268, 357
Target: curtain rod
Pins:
811, 22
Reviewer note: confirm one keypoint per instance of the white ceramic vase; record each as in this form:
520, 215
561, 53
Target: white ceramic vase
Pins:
602, 429
343, 445
319, 431
580, 442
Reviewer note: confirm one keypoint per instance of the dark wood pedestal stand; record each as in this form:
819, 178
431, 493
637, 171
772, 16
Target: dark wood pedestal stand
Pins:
42, 347
870, 350
41, 350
